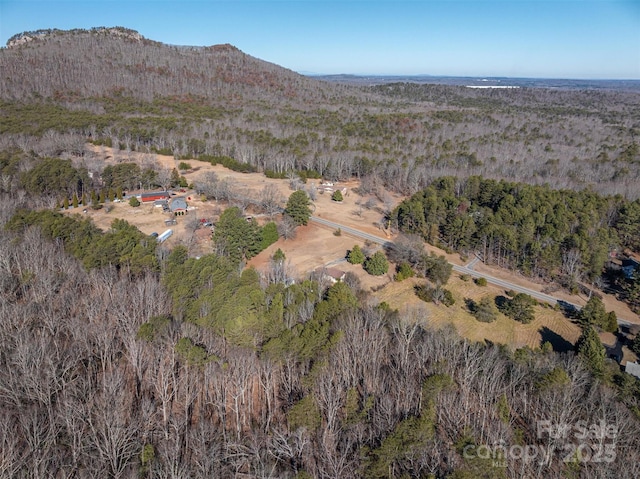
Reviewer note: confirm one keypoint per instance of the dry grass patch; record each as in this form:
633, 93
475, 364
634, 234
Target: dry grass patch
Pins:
549, 325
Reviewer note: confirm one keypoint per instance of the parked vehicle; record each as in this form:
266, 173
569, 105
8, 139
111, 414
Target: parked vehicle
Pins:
164, 236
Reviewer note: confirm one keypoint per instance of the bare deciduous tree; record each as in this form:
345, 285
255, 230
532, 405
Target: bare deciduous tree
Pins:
287, 228
271, 200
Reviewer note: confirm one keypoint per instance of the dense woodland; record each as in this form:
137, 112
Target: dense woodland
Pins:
120, 89
557, 236
121, 358
193, 368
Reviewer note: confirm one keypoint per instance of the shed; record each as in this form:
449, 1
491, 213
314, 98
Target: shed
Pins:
332, 274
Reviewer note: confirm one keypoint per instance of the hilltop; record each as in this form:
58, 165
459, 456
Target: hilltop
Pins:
117, 61
119, 88
26, 37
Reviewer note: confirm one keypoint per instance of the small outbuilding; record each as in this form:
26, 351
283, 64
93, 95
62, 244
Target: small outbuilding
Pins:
333, 275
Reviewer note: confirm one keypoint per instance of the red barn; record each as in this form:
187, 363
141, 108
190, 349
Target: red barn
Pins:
153, 196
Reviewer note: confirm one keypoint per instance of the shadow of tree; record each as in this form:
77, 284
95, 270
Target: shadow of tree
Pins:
471, 305
569, 310
501, 302
558, 343
615, 352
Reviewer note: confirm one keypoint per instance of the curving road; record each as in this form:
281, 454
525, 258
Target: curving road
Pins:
459, 269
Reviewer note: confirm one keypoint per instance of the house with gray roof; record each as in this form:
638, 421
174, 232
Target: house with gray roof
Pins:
178, 205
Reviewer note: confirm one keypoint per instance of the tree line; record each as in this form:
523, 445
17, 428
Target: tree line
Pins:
544, 233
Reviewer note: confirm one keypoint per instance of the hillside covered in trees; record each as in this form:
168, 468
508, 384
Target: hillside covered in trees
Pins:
122, 358
118, 88
560, 236
198, 370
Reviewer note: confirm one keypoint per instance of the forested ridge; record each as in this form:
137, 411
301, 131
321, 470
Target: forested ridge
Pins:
121, 89
121, 358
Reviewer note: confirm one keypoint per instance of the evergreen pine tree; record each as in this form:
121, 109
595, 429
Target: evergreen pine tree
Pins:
520, 308
377, 265
269, 235
236, 237
297, 207
95, 204
590, 349
175, 178
611, 322
278, 255
356, 256
594, 312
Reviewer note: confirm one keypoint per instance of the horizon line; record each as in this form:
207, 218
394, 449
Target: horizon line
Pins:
475, 77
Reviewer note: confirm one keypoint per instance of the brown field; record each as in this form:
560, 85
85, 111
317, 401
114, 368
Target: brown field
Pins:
316, 246
504, 330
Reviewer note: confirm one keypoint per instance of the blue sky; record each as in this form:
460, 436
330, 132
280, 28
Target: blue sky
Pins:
589, 39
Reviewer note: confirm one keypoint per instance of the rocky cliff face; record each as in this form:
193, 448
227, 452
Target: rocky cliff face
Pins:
27, 37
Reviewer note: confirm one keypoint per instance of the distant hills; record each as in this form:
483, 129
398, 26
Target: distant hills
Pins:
105, 60
117, 87
568, 84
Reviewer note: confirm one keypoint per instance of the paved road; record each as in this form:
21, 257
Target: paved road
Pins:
352, 231
472, 263
459, 269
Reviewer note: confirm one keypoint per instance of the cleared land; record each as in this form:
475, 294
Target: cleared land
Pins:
316, 246
549, 325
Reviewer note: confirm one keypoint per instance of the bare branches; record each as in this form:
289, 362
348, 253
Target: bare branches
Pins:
83, 393
271, 200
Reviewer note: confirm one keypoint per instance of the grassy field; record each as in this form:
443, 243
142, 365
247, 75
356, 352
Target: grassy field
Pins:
549, 325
